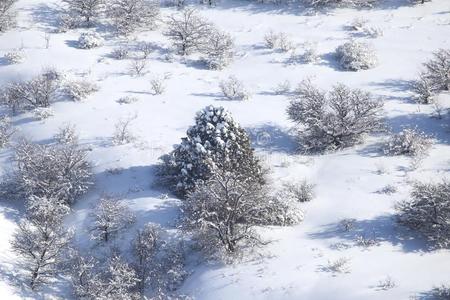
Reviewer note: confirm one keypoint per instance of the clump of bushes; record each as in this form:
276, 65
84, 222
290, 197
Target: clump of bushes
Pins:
334, 120
428, 211
356, 56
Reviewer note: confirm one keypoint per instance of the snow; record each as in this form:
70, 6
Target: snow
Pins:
292, 265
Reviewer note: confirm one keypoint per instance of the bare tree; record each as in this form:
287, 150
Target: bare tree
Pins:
56, 171
7, 15
122, 134
85, 9
188, 31
110, 216
335, 120
41, 240
218, 50
6, 131
129, 15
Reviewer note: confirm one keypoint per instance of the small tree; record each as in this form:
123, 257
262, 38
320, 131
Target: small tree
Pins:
6, 131
41, 240
188, 31
59, 171
216, 141
428, 212
223, 211
218, 50
7, 15
110, 216
129, 15
87, 10
40, 91
435, 78
334, 121
355, 56
234, 89
145, 249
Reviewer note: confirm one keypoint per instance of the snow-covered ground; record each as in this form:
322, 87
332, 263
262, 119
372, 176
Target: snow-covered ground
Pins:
294, 264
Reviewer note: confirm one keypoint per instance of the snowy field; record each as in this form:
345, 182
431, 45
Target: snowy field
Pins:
296, 263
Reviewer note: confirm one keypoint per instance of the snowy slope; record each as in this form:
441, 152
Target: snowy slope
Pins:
294, 264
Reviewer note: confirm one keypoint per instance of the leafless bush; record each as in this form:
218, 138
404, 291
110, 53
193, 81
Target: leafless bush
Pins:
7, 15
317, 4
233, 89
347, 224
138, 66
157, 85
67, 135
411, 142
89, 40
334, 121
122, 134
302, 191
42, 113
435, 78
146, 48
6, 131
387, 283
78, 90
428, 212
129, 15
15, 57
110, 217
284, 43
40, 91
218, 49
120, 53
54, 171
83, 11
271, 39
188, 31
340, 265
127, 100
355, 56
310, 53
282, 88
388, 189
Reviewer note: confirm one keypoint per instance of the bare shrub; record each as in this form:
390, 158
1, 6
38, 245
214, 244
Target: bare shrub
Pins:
146, 48
41, 239
6, 131
138, 67
188, 31
158, 85
410, 141
435, 77
120, 53
42, 113
340, 265
310, 53
428, 211
233, 89
302, 191
78, 90
15, 57
334, 121
110, 217
317, 4
284, 43
271, 39
122, 134
218, 50
40, 91
129, 15
387, 283
127, 100
7, 15
282, 88
67, 135
59, 171
355, 56
84, 11
89, 40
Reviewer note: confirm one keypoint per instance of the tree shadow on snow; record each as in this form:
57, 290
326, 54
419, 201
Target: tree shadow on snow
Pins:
272, 138
393, 85
384, 229
45, 15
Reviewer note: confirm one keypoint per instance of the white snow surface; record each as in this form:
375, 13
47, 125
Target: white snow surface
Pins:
293, 265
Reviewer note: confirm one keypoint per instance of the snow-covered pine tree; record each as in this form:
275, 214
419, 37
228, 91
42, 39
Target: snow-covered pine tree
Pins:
216, 141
